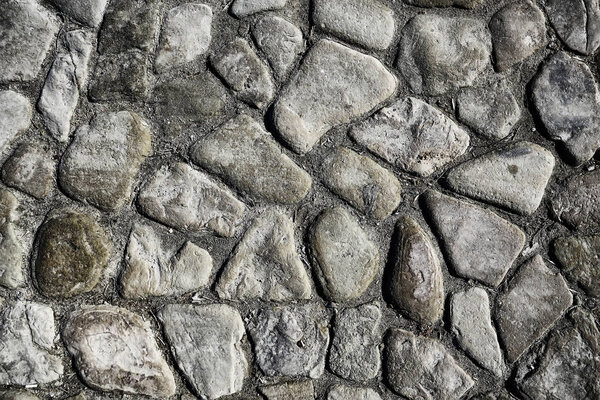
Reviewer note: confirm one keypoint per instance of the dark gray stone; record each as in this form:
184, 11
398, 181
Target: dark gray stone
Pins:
578, 205
578, 258
30, 168
577, 23
122, 76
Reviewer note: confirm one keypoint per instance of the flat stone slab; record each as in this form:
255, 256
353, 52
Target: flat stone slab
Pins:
334, 85
243, 8
412, 135
362, 182
578, 260
514, 177
15, 116
12, 251
302, 390
246, 156
577, 23
578, 205
478, 243
130, 25
88, 12
536, 298
344, 392
445, 3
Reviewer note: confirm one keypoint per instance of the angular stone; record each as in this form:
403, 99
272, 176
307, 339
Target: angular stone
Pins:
241, 146
265, 264
417, 283
280, 40
115, 350
206, 342
362, 182
15, 115
302, 390
186, 199
445, 3
579, 261
122, 76
438, 53
368, 23
72, 252
472, 325
129, 24
421, 368
243, 8
514, 177
30, 168
249, 78
101, 164
354, 352
12, 253
334, 85
88, 12
536, 298
80, 44
412, 135
186, 35
27, 337
578, 204
343, 392
345, 259
478, 243
577, 23
290, 340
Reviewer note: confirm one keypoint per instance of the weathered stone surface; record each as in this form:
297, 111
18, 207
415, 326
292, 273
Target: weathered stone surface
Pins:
241, 146
115, 350
577, 23
567, 100
421, 368
417, 283
478, 243
129, 24
535, 299
578, 205
80, 44
30, 169
579, 261
88, 12
27, 336
472, 325
280, 40
12, 253
514, 177
412, 135
499, 395
72, 252
206, 341
290, 340
367, 23
101, 164
439, 53
265, 264
186, 199
302, 390
15, 115
344, 392
186, 35
18, 395
243, 8
122, 76
362, 182
445, 3
333, 85
345, 259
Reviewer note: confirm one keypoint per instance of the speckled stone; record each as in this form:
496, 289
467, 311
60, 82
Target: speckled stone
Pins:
88, 12
579, 262
344, 392
445, 3
122, 76
578, 205
577, 23
301, 390
243, 8
15, 116
12, 250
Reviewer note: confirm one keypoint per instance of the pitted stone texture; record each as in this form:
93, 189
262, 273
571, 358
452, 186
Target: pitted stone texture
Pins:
129, 24
362, 182
368, 23
478, 243
354, 352
265, 264
27, 337
291, 340
417, 283
412, 135
151, 271
101, 164
567, 100
438, 53
115, 350
88, 12
421, 368
578, 205
472, 325
536, 298
514, 177
499, 395
334, 85
578, 258
344, 392
577, 23
12, 252
280, 40
18, 395
241, 146
186, 35
80, 44
183, 198
302, 390
445, 3
345, 259
206, 342
30, 168
15, 115
122, 76
243, 8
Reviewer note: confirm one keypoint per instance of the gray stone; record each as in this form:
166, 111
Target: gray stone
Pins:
186, 35
301, 390
536, 298
88, 12
500, 395
243, 8
412, 135
345, 259
472, 325
417, 283
102, 162
362, 182
344, 392
334, 85
18, 395
577, 23
290, 340
246, 156
578, 204
514, 177
183, 198
265, 264
445, 3
421, 368
246, 75
578, 258
206, 342
122, 76
12, 252
129, 24
115, 350
354, 352
30, 168
15, 116
438, 53
368, 23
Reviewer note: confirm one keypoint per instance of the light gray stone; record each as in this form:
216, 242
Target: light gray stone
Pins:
301, 390
15, 116
445, 3
243, 8
122, 76
30, 168
88, 12
344, 392
578, 205
18, 395
12, 252
334, 85
579, 261
577, 23
80, 44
